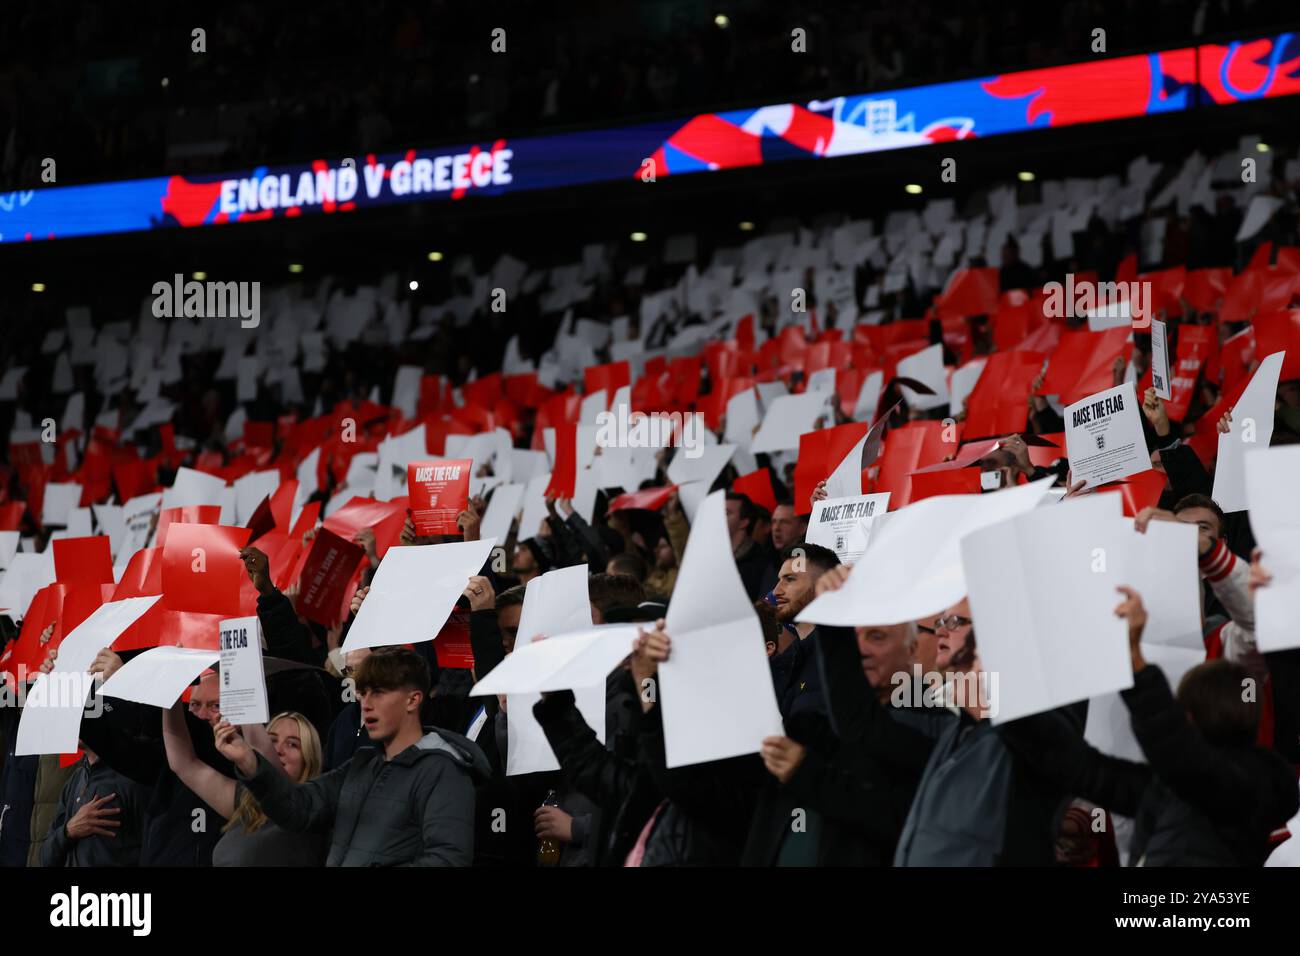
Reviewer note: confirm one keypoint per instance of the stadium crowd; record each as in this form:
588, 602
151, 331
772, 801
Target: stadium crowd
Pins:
380, 756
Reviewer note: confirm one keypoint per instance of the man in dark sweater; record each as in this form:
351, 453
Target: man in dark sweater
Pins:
100, 818
407, 801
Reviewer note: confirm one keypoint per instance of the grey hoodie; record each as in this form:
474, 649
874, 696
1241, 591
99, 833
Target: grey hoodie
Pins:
414, 810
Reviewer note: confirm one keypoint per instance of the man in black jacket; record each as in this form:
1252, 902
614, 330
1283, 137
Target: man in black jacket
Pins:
844, 782
794, 670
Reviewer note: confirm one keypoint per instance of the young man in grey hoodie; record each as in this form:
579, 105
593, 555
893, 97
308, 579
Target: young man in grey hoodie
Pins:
407, 800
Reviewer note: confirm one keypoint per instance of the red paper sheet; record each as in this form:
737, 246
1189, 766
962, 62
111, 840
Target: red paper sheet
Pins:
649, 499
757, 486
83, 560
202, 570
384, 517
820, 452
452, 645
192, 514
565, 474
439, 491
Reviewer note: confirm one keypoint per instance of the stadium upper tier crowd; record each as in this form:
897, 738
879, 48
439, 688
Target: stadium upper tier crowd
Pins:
292, 81
379, 756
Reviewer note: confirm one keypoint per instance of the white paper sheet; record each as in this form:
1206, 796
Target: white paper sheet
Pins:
788, 417
1251, 427
580, 659
193, 488
555, 604
1042, 589
1270, 477
717, 695
250, 490
742, 418
502, 509
912, 566
1110, 727
846, 480
414, 591
1104, 437
60, 499
160, 675
926, 366
51, 720
706, 467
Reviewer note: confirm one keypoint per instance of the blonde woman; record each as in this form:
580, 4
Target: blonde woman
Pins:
289, 742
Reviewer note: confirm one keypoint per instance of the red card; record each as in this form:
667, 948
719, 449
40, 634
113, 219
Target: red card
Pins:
306, 520
191, 514
609, 377
1081, 364
959, 481
648, 499
1044, 456
262, 521
565, 473
26, 653
143, 575
1277, 332
384, 517
330, 565
83, 560
757, 485
201, 568
999, 402
452, 645
913, 446
1139, 491
439, 491
1204, 287
820, 452
971, 292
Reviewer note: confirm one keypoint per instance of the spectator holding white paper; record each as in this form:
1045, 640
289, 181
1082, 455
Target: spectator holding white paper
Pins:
1209, 795
407, 801
249, 838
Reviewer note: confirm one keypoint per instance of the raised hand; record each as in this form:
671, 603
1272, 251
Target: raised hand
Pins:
1132, 610
232, 746
259, 569
480, 594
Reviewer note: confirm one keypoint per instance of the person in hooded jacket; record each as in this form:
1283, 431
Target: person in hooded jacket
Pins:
406, 801
1209, 796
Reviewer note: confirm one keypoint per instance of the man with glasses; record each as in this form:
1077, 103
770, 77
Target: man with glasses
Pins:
979, 803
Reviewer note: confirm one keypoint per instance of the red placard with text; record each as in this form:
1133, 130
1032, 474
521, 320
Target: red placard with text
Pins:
439, 491
330, 565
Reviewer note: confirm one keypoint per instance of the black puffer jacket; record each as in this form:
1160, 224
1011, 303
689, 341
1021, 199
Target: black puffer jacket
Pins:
1195, 804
